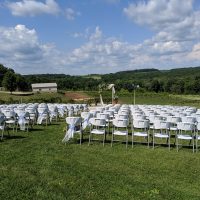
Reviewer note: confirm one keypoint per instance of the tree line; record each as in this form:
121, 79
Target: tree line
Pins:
12, 81
177, 81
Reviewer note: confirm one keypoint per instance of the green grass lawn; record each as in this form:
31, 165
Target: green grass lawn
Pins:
36, 165
161, 99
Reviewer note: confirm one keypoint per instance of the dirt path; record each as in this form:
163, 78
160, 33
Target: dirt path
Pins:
77, 95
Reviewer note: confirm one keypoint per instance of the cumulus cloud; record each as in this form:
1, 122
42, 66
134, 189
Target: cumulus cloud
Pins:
33, 8
176, 26
195, 53
20, 49
97, 34
170, 19
174, 44
71, 14
159, 13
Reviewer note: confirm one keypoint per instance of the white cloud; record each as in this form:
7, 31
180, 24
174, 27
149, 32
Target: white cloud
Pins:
71, 14
20, 49
33, 8
159, 13
195, 53
176, 26
97, 34
170, 19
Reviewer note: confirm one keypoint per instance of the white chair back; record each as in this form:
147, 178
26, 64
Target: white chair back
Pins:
97, 122
141, 123
161, 125
120, 123
186, 126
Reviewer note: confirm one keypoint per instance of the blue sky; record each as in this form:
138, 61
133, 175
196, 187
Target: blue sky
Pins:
98, 36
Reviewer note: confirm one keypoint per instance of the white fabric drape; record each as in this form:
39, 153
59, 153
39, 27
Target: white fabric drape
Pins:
41, 117
73, 122
86, 121
22, 120
101, 100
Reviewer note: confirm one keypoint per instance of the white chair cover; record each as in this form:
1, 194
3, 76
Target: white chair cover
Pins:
22, 120
42, 115
86, 121
72, 121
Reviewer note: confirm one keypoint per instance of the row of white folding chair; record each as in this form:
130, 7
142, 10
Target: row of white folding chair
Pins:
98, 126
185, 131
144, 125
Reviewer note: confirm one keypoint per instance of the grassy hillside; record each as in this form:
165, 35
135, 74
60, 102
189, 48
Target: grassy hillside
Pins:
92, 97
145, 74
60, 97
36, 165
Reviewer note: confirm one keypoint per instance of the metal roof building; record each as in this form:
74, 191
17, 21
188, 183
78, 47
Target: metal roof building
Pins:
44, 87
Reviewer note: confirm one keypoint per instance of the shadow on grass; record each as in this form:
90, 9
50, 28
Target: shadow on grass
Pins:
36, 130
12, 137
54, 124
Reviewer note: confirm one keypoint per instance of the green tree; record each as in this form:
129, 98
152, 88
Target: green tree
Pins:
3, 71
10, 81
155, 86
22, 84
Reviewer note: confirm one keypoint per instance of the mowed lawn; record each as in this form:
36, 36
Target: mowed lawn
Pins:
37, 165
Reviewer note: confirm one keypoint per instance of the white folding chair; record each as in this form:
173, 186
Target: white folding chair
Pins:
161, 130
23, 120
98, 127
120, 128
186, 131
74, 125
173, 122
188, 119
10, 119
43, 116
140, 128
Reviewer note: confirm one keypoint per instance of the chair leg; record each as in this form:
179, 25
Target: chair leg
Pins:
112, 139
127, 140
196, 144
132, 139
2, 134
104, 137
193, 145
16, 127
81, 137
177, 144
89, 139
153, 140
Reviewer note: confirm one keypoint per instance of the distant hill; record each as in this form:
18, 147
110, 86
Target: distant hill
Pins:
179, 80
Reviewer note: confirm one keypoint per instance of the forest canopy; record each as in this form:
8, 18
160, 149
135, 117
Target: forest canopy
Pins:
177, 81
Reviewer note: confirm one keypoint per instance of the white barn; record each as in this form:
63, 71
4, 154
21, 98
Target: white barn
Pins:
44, 87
